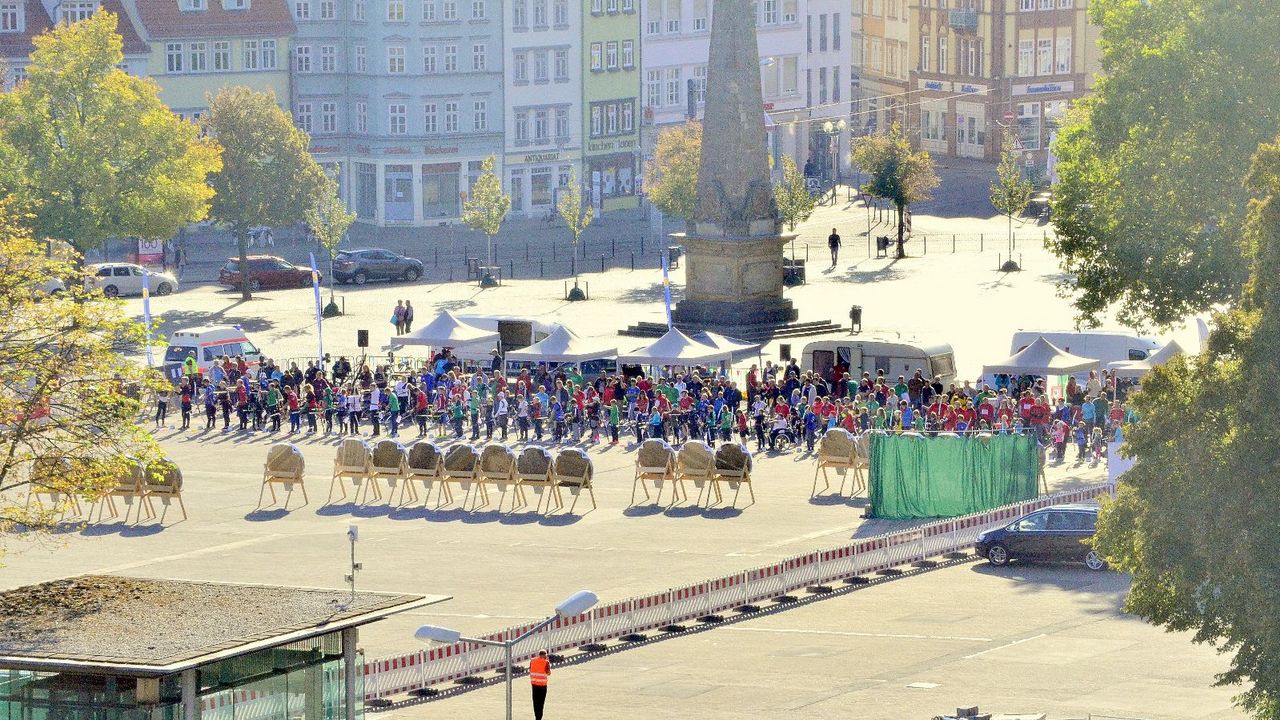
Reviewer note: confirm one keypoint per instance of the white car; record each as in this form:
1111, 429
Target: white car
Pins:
116, 279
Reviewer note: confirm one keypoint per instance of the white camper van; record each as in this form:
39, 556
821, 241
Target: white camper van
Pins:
210, 343
1103, 345
893, 354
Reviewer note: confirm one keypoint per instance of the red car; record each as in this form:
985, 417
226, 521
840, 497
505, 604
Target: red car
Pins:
266, 271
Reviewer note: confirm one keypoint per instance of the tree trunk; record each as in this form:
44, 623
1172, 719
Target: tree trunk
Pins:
242, 240
331, 280
902, 240
1010, 235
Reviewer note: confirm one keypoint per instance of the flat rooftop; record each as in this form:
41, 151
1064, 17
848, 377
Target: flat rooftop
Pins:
109, 623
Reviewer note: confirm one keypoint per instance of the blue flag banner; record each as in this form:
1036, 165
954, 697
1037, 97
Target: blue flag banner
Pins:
666, 286
146, 312
315, 286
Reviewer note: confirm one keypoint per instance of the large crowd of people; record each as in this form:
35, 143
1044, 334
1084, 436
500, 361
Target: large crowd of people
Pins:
777, 407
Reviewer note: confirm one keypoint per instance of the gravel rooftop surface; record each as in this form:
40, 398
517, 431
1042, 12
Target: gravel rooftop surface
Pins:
106, 618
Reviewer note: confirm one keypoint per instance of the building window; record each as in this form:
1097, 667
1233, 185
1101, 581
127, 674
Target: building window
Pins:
302, 9
12, 17
73, 12
653, 23
357, 10
1064, 55
611, 6
328, 59
197, 57
653, 88
429, 10
699, 15
479, 57
522, 127
221, 55
562, 65
770, 12
362, 117
835, 31
540, 13
673, 86
451, 117
835, 84
173, 58
789, 11
302, 116
597, 7
822, 32
628, 54
449, 10
611, 119
597, 57
700, 83
628, 6
302, 58
611, 55
943, 57
597, 121
268, 55
328, 10
1026, 5
478, 9
480, 115
541, 127
250, 54
236, 4
397, 119
1044, 56
362, 59
924, 53
192, 5
1064, 4
395, 60
628, 116
329, 117
431, 125
822, 86
1046, 4
395, 10
429, 60
450, 58
1029, 125
519, 14
560, 10
790, 75
520, 67
1026, 57
541, 72
562, 124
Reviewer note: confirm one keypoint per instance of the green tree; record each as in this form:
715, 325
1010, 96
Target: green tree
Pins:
329, 219
100, 156
69, 399
577, 216
671, 177
485, 209
1149, 209
1194, 519
898, 174
1011, 192
795, 202
268, 177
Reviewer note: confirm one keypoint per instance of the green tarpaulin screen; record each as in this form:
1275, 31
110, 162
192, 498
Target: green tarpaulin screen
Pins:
922, 477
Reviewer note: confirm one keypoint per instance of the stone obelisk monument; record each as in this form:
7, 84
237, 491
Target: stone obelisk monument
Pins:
733, 275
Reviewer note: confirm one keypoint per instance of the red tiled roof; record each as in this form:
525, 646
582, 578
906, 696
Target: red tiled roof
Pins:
19, 45
162, 19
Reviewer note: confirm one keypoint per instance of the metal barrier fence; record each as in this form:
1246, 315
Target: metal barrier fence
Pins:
637, 615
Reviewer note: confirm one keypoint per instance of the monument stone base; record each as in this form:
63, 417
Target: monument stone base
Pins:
733, 282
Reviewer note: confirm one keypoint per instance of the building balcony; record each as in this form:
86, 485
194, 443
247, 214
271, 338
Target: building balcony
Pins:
963, 20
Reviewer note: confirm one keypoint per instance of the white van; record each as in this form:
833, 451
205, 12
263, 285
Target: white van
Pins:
893, 354
1103, 345
210, 343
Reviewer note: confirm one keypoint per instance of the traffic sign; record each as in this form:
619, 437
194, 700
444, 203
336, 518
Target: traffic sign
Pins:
1008, 116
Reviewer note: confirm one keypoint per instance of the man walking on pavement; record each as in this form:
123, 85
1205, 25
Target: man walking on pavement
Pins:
539, 672
833, 242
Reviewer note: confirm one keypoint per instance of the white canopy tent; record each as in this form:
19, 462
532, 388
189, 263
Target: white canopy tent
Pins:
1138, 368
674, 348
736, 348
447, 331
563, 345
1041, 358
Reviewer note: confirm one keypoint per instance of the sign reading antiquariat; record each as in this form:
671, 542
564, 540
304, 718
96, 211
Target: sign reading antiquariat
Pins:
541, 157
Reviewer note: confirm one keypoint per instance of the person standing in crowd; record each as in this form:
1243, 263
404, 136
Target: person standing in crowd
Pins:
539, 674
407, 318
833, 243
397, 317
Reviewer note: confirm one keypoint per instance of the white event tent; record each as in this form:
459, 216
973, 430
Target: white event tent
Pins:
1138, 368
736, 348
563, 345
1041, 358
446, 331
674, 348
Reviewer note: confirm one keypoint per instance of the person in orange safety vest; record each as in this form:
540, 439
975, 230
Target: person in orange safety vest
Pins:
539, 672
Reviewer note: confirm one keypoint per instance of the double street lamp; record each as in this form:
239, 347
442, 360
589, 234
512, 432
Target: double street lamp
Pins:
574, 605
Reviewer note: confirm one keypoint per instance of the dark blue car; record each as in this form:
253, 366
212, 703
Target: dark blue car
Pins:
1054, 534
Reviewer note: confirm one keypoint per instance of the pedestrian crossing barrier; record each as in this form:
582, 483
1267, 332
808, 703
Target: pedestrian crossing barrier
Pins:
397, 675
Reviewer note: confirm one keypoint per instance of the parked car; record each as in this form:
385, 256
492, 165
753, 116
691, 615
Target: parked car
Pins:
115, 279
265, 271
361, 266
1057, 534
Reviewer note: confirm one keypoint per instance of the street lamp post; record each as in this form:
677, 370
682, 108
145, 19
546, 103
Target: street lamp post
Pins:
575, 604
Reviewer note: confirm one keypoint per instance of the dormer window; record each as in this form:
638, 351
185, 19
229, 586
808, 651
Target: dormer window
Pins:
11, 16
235, 4
73, 11
192, 5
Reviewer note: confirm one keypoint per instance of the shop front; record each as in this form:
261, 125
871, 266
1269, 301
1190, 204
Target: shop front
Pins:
534, 181
422, 191
612, 180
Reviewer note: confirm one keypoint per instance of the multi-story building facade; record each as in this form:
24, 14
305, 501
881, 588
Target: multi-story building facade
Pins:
676, 36
198, 47
22, 20
828, 69
987, 65
403, 98
886, 33
611, 102
542, 101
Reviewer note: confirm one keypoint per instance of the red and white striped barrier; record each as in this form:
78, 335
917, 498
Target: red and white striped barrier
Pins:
391, 676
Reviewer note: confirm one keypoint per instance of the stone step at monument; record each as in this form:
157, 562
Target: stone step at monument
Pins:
751, 333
